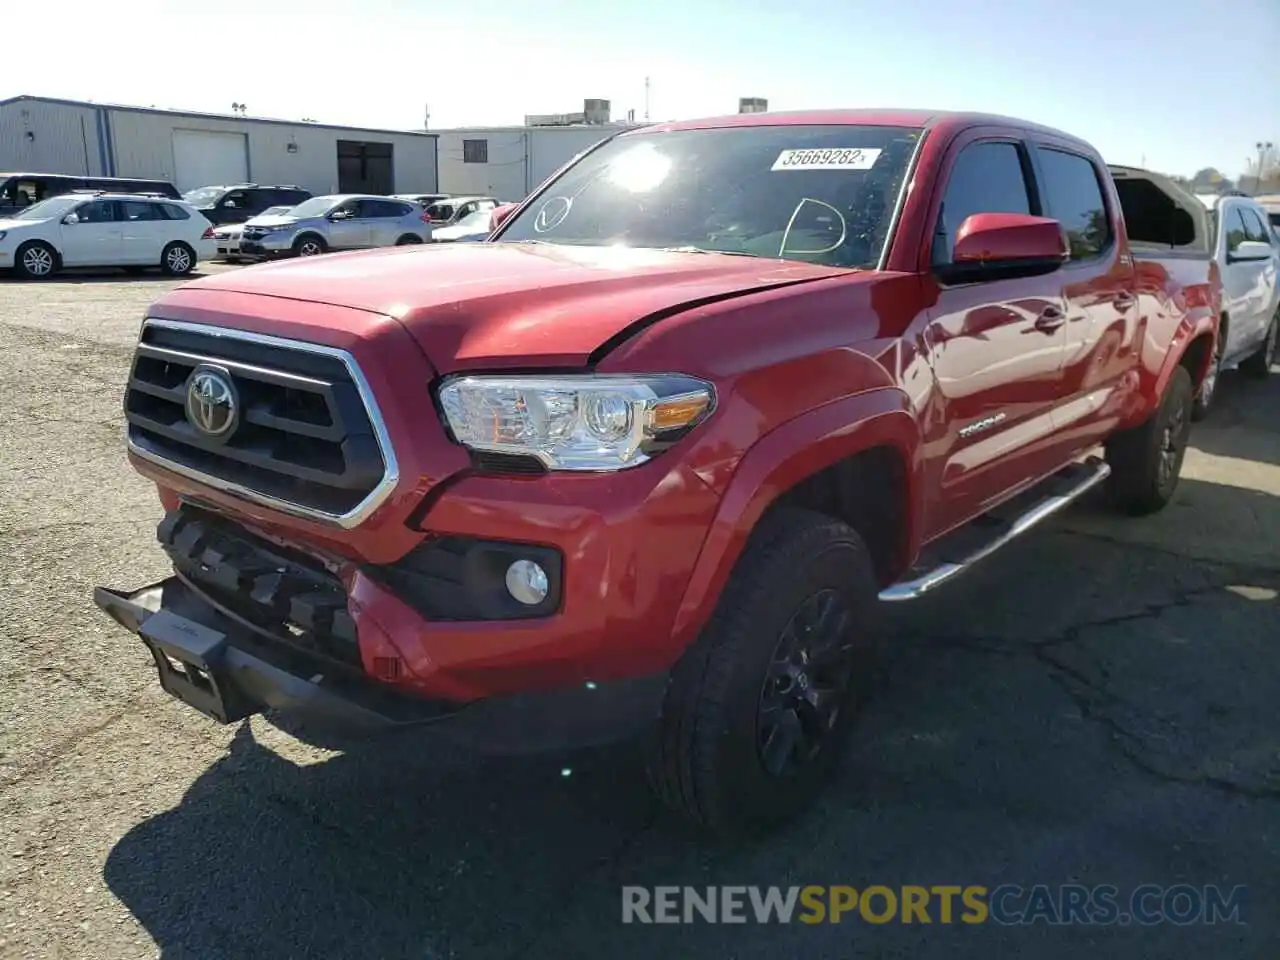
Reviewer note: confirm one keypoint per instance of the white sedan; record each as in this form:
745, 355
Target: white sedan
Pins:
105, 230
228, 235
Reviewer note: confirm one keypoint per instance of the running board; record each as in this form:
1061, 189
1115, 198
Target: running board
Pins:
1073, 486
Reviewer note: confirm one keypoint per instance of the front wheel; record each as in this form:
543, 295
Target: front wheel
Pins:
759, 707
1259, 364
407, 239
1146, 461
177, 259
309, 246
36, 260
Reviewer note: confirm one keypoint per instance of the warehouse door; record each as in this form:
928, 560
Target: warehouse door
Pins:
203, 158
364, 167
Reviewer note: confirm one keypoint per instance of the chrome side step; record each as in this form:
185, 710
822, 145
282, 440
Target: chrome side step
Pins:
923, 582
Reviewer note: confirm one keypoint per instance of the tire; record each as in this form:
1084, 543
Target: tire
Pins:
309, 245
712, 757
36, 260
1209, 385
1147, 460
177, 259
407, 239
1258, 366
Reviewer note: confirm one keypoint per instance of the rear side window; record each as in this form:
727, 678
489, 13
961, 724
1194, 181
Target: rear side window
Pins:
987, 177
383, 208
135, 210
1233, 224
1073, 197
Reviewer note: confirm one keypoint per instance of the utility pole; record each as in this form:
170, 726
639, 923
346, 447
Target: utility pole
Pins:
426, 116
646, 99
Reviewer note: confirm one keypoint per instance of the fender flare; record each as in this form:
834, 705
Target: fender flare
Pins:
1198, 322
792, 451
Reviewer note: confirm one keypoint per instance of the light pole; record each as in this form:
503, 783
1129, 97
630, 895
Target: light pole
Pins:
1264, 147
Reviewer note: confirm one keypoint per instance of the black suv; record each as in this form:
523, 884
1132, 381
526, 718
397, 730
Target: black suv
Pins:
239, 202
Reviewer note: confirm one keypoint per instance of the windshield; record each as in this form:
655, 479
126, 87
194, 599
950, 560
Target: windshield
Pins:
315, 207
204, 196
49, 209
821, 194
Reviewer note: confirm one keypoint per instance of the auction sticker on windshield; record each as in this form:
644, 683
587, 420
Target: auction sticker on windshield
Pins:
833, 158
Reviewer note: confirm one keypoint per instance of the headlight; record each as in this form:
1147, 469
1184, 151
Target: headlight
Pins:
585, 422
277, 227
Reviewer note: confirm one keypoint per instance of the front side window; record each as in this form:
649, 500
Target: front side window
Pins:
1253, 228
820, 194
1074, 198
987, 177
97, 211
1234, 225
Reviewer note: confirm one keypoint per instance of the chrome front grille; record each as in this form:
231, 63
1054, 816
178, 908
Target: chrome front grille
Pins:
285, 423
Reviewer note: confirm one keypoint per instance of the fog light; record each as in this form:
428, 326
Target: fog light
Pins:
527, 582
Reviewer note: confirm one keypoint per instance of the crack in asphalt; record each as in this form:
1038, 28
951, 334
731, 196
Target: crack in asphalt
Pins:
1088, 693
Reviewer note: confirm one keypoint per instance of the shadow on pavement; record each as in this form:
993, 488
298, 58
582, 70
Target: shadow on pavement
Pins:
1245, 423
1074, 711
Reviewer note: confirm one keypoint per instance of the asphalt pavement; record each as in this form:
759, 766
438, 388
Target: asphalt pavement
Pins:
1095, 705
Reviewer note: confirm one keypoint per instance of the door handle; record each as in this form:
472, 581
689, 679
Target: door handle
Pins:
1123, 301
1050, 319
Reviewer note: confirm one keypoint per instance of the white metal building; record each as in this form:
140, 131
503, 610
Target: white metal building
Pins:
43, 135
510, 162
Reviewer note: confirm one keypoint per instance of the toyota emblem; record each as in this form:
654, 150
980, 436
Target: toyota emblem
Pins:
212, 405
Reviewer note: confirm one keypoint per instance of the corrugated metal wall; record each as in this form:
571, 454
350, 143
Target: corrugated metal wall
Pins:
51, 138
519, 160
106, 141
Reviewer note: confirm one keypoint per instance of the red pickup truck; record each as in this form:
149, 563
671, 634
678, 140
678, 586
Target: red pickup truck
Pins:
645, 461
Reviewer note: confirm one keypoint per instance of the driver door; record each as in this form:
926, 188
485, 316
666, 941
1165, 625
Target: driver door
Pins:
92, 235
348, 230
995, 347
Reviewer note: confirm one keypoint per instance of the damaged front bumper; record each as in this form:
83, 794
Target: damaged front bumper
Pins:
229, 668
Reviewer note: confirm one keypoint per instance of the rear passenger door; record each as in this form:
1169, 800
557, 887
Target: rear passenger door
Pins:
1098, 288
995, 346
142, 232
386, 220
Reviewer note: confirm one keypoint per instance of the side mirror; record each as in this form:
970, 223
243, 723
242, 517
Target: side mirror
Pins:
339, 215
71, 218
500, 215
1251, 250
997, 245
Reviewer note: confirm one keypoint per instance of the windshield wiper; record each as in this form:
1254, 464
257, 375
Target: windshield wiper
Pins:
692, 249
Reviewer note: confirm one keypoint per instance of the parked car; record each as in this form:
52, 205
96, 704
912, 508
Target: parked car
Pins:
1248, 260
243, 201
227, 236
474, 226
448, 212
20, 190
105, 230
422, 199
646, 458
340, 222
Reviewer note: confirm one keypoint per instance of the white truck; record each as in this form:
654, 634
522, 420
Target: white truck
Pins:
1245, 250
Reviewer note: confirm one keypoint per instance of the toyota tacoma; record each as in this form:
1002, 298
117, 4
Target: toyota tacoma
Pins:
645, 462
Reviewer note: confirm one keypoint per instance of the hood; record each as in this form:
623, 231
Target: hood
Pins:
457, 233
277, 220
20, 224
473, 305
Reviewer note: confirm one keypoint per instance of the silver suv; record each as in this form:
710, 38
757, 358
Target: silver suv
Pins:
338, 222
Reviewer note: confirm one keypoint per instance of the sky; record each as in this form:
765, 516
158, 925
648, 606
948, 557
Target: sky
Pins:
1176, 85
